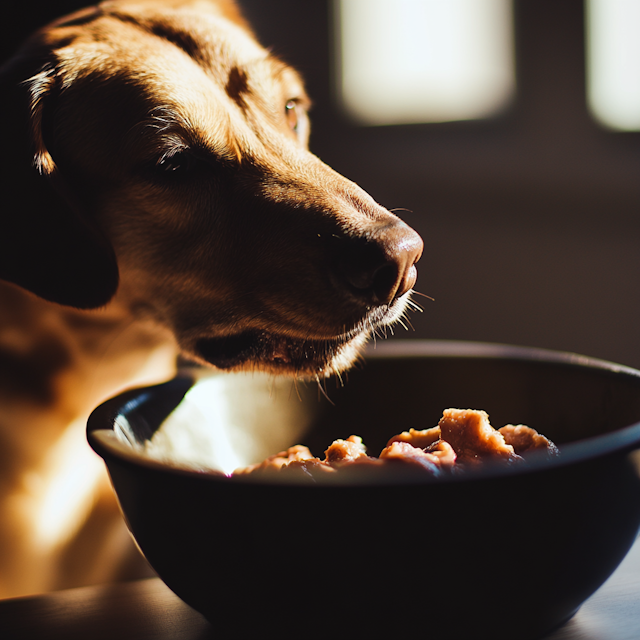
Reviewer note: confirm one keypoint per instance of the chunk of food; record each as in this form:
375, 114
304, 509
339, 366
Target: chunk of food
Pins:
274, 463
472, 437
524, 439
420, 439
346, 450
436, 456
463, 439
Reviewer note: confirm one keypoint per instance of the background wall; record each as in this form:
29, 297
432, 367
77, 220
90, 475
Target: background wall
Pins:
530, 220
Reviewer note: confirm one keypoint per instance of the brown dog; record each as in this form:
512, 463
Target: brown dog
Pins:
159, 197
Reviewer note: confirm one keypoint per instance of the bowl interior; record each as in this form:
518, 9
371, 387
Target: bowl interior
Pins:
225, 421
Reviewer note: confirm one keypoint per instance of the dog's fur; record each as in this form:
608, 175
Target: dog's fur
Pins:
166, 203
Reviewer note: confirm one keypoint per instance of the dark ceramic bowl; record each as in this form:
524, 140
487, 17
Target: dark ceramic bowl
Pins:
493, 554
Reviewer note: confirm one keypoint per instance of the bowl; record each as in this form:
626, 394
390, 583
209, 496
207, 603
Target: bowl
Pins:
493, 553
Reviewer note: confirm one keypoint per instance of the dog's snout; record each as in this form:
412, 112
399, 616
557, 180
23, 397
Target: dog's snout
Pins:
380, 267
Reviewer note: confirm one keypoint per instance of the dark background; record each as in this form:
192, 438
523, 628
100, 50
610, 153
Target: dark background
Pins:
530, 219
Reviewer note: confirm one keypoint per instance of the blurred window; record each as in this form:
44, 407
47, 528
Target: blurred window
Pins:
410, 61
613, 62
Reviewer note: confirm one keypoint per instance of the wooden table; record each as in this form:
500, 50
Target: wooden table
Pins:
147, 610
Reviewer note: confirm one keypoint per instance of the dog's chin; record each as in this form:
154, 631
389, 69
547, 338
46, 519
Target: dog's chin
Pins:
280, 354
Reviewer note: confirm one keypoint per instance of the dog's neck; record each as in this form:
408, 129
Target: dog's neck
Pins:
62, 362
56, 365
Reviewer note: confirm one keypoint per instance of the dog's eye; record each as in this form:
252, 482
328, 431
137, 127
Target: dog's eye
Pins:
174, 164
291, 111
297, 120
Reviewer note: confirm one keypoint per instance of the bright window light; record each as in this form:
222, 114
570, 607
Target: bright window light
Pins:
613, 62
407, 61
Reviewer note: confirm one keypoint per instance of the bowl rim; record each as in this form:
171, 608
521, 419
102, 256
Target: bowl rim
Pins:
107, 444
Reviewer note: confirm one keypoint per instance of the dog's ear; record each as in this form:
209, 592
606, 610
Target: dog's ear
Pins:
48, 244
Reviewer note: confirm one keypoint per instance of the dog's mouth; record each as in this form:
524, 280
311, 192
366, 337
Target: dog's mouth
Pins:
260, 349
284, 354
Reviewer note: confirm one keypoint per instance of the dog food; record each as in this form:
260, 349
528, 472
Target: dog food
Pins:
463, 439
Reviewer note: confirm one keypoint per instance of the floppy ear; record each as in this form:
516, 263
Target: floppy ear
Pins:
48, 244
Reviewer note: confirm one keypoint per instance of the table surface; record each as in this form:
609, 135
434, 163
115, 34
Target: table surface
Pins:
148, 610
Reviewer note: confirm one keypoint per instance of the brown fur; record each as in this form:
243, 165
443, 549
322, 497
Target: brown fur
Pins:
168, 203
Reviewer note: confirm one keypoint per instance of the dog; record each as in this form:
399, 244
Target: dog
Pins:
160, 199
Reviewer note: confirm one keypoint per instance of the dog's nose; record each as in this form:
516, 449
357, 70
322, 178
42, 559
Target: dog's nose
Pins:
380, 264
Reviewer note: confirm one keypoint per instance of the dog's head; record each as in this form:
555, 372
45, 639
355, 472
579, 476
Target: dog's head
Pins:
160, 142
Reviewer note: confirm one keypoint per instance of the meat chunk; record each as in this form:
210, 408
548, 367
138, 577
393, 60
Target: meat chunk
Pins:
464, 438
297, 453
415, 438
472, 437
345, 450
525, 439
437, 456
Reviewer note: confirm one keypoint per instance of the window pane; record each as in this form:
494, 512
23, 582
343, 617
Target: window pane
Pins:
613, 62
403, 61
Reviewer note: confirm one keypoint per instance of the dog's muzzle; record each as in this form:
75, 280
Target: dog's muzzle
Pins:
371, 276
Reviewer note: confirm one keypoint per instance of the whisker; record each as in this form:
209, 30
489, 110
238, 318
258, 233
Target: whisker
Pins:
272, 388
323, 391
295, 385
424, 295
407, 319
